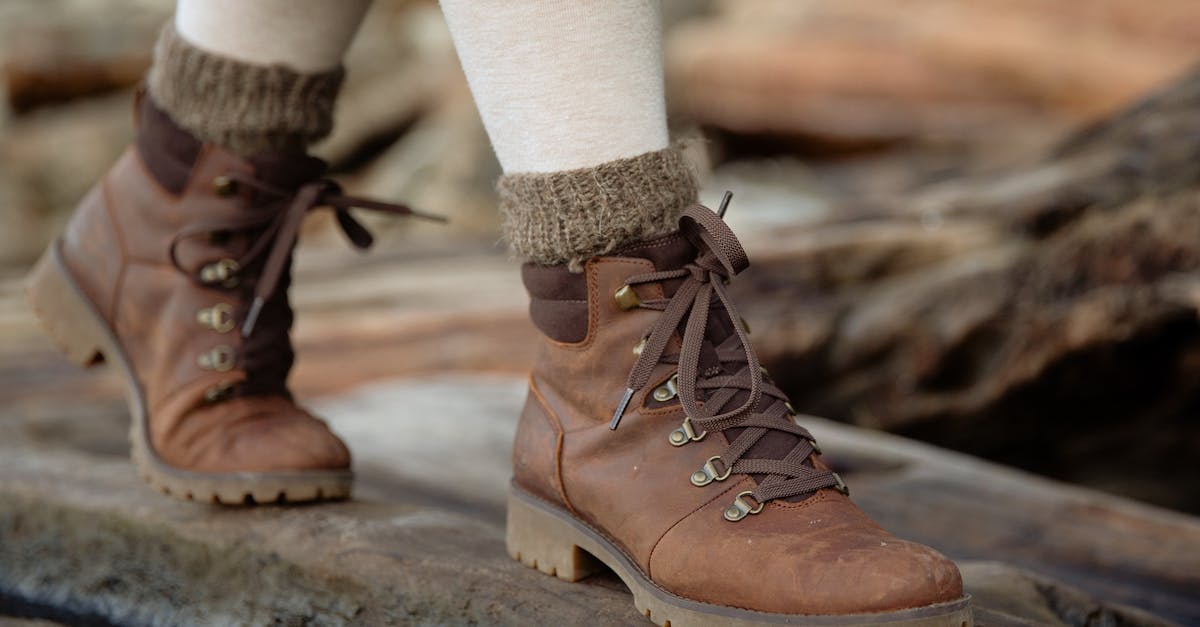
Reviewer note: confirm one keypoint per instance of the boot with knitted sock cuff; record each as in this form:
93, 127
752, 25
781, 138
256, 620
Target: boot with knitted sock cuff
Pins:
175, 269
654, 442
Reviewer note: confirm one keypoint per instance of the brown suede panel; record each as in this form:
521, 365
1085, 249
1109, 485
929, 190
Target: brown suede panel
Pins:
558, 297
557, 301
553, 282
167, 150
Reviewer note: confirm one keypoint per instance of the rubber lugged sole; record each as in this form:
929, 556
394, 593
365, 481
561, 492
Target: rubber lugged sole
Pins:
543, 536
71, 320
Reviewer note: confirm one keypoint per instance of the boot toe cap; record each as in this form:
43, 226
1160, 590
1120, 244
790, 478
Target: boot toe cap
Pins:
254, 434
823, 558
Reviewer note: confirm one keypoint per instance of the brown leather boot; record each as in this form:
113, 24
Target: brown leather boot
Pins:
653, 441
175, 269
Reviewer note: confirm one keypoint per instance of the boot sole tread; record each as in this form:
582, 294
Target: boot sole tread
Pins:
543, 536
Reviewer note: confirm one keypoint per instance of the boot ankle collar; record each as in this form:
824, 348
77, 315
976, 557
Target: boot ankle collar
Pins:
170, 153
167, 150
558, 302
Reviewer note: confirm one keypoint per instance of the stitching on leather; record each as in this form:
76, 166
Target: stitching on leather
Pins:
558, 300
823, 495
111, 305
593, 314
660, 411
557, 425
665, 241
646, 266
592, 273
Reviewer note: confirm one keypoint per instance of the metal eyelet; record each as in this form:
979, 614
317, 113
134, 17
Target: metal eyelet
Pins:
708, 473
220, 358
224, 186
219, 317
685, 433
218, 392
740, 508
221, 271
668, 390
627, 298
639, 347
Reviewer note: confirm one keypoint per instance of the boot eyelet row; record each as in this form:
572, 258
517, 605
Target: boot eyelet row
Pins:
220, 273
224, 186
218, 392
668, 390
740, 509
219, 358
218, 318
685, 433
708, 473
627, 298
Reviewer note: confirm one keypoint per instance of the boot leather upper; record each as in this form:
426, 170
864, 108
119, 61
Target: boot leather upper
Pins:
189, 366
817, 555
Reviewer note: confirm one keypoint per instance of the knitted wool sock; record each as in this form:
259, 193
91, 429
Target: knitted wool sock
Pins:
572, 215
244, 107
572, 97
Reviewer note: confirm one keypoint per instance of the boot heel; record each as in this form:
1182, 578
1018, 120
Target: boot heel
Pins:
63, 311
538, 540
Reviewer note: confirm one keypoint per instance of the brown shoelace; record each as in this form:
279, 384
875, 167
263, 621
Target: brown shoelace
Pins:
274, 219
720, 258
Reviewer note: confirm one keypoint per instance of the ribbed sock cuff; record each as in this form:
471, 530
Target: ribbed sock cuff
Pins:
573, 215
248, 109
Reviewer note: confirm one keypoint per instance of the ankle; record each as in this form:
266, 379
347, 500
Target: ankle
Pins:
570, 216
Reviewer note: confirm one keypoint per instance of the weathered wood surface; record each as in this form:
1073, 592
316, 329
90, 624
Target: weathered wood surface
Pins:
422, 542
863, 71
62, 444
1045, 315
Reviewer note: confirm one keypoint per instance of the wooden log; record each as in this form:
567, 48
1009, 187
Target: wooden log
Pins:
869, 71
1045, 316
423, 540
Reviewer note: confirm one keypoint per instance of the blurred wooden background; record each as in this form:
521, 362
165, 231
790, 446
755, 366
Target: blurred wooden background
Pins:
963, 226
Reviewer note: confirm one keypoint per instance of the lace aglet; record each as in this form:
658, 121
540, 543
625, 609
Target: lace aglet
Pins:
432, 217
252, 316
724, 204
621, 409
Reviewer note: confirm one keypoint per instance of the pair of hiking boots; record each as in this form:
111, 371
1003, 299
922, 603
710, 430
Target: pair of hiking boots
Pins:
652, 441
